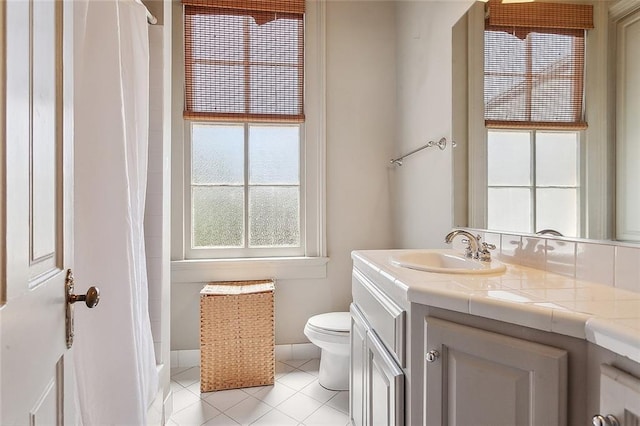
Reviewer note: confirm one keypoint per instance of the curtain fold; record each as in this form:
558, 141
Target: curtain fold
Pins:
114, 356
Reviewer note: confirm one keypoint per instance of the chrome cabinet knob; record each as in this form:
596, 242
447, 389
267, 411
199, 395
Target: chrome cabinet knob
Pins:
432, 356
608, 420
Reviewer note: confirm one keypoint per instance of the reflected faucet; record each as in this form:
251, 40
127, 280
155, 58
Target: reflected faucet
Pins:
473, 242
549, 232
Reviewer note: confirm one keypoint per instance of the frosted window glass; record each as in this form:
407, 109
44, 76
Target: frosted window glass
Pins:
508, 158
557, 208
274, 155
557, 158
509, 209
217, 154
218, 216
274, 218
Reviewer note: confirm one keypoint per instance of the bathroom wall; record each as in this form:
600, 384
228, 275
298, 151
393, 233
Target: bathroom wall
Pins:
360, 135
422, 186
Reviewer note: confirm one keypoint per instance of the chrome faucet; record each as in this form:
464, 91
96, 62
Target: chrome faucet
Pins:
549, 232
472, 242
474, 249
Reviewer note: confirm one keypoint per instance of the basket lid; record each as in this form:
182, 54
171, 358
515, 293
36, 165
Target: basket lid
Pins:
333, 321
238, 287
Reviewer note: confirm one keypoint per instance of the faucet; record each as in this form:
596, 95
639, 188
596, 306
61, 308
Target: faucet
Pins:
549, 232
473, 242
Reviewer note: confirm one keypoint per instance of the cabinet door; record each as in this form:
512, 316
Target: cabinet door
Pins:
385, 385
482, 378
357, 368
619, 395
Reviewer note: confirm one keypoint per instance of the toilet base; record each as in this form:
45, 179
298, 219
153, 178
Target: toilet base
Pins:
334, 371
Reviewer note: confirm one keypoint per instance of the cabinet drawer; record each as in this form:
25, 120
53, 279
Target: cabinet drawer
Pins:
382, 314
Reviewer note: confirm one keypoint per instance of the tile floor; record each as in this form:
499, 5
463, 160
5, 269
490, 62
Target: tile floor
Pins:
296, 399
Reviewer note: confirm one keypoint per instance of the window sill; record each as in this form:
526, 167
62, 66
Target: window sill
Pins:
283, 268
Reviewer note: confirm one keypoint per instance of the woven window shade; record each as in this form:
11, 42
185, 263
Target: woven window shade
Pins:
534, 65
244, 60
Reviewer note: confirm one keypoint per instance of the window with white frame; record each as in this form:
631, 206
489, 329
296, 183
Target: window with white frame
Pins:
534, 115
245, 176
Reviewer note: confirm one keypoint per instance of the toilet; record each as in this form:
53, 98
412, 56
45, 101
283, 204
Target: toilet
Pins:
330, 332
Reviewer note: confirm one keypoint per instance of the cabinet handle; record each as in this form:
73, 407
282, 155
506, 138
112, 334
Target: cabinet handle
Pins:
432, 356
608, 420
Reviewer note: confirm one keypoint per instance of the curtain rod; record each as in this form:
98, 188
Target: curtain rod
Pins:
150, 18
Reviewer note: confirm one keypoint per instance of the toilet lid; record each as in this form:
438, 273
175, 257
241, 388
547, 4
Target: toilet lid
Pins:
333, 321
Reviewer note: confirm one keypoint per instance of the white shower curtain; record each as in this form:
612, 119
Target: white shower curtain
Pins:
114, 357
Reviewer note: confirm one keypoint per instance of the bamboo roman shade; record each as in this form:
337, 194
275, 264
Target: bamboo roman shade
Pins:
534, 65
244, 60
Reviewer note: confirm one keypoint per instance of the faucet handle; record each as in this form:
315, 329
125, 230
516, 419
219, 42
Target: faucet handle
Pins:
468, 251
485, 254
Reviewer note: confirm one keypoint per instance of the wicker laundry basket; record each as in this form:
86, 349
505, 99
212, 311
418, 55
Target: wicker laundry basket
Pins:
236, 335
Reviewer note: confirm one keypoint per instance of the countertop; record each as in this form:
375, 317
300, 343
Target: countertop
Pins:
606, 316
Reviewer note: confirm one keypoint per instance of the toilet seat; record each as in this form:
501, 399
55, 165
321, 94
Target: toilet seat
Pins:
332, 322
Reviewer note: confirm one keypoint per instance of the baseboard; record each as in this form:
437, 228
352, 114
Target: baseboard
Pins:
191, 358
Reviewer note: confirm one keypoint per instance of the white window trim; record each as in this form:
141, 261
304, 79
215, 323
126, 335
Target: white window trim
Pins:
597, 182
313, 170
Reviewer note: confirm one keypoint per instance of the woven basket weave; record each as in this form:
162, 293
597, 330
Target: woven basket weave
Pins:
236, 335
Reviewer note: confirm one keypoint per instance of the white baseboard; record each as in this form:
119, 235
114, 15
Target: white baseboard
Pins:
191, 358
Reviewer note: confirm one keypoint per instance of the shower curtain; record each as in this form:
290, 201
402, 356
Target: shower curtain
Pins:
114, 357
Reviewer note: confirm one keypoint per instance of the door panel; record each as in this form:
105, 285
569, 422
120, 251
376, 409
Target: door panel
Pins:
385, 385
484, 378
35, 363
357, 376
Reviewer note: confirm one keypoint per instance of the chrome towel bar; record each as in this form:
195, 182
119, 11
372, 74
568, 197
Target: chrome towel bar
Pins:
442, 144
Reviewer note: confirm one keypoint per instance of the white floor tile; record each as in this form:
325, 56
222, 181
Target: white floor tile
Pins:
340, 402
177, 370
295, 363
297, 379
195, 414
187, 377
195, 388
274, 395
223, 400
254, 389
299, 406
317, 392
311, 366
282, 369
326, 416
183, 399
221, 420
175, 386
248, 410
275, 418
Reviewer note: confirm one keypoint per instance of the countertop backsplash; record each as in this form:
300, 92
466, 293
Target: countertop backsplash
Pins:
615, 264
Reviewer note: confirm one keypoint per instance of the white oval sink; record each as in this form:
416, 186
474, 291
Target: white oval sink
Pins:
445, 261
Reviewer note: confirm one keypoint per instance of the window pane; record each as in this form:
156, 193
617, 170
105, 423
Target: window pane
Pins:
281, 98
557, 158
274, 155
508, 158
509, 209
218, 216
217, 154
274, 216
557, 208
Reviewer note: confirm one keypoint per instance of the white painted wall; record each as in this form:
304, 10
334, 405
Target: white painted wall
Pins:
423, 187
361, 92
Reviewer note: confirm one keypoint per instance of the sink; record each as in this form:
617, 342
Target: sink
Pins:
445, 262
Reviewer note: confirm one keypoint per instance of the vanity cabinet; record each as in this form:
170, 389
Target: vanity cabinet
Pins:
477, 377
376, 378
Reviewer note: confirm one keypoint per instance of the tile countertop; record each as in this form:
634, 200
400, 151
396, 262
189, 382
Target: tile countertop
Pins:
606, 316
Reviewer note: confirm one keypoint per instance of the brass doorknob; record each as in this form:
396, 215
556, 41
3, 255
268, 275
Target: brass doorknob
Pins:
91, 299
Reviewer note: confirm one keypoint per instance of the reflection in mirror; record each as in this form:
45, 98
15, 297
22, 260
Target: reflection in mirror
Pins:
526, 158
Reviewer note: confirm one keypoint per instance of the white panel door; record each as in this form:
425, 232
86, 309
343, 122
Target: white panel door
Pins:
628, 129
357, 368
36, 124
475, 377
619, 396
384, 384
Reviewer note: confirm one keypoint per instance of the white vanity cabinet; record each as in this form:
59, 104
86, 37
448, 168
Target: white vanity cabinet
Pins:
376, 379
477, 377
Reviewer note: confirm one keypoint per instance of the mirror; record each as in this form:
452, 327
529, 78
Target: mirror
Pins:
602, 216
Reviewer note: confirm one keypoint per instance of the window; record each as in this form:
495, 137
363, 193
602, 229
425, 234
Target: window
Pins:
533, 181
250, 175
534, 115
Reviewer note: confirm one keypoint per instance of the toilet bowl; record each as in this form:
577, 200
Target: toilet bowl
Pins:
330, 332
